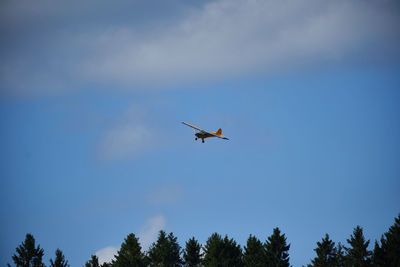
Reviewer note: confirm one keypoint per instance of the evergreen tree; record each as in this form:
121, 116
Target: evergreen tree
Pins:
59, 261
340, 256
165, 252
358, 255
222, 252
213, 250
192, 255
232, 253
391, 246
28, 255
277, 250
254, 253
378, 255
326, 253
130, 253
93, 262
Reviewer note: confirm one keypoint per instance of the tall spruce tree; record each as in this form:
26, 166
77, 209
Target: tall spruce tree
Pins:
254, 253
378, 255
166, 251
27, 254
192, 254
59, 261
340, 256
232, 253
277, 249
130, 253
213, 250
326, 253
391, 246
358, 254
222, 252
93, 262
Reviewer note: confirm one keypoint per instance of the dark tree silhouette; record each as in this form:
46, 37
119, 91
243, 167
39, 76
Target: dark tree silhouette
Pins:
326, 254
225, 252
93, 262
222, 252
192, 254
358, 254
232, 253
391, 244
213, 250
130, 253
166, 251
27, 254
340, 256
277, 249
59, 261
378, 255
254, 253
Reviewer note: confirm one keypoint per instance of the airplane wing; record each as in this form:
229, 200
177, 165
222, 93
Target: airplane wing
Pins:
194, 127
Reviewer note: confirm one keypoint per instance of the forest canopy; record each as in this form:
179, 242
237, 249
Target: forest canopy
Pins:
221, 251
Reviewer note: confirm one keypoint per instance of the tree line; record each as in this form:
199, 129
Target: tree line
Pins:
222, 251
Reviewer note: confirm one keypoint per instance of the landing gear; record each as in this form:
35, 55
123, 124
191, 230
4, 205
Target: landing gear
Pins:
202, 140
195, 139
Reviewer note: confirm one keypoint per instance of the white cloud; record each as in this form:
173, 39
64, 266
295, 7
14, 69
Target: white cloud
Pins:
147, 235
235, 37
128, 136
165, 195
149, 231
126, 141
222, 39
106, 254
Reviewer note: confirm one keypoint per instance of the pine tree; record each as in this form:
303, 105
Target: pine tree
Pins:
277, 250
340, 256
93, 262
213, 250
326, 253
192, 255
130, 253
165, 252
28, 255
358, 255
59, 261
254, 253
232, 253
378, 255
391, 246
222, 252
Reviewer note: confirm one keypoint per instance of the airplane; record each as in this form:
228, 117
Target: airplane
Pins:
199, 133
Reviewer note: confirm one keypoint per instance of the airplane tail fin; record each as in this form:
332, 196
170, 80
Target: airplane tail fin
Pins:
219, 132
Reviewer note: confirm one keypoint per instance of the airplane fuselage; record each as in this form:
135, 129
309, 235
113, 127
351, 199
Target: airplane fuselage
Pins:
203, 135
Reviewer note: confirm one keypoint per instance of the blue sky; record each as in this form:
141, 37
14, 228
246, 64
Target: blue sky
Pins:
92, 97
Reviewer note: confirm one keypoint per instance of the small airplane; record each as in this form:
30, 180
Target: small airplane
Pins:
199, 133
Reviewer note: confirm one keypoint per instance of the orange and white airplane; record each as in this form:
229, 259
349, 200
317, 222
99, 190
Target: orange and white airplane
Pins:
199, 133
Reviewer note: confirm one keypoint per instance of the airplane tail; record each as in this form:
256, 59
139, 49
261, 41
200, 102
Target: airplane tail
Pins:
219, 132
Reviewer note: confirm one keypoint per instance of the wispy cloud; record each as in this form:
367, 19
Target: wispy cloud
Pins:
165, 195
147, 235
129, 136
219, 40
149, 231
125, 141
106, 254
